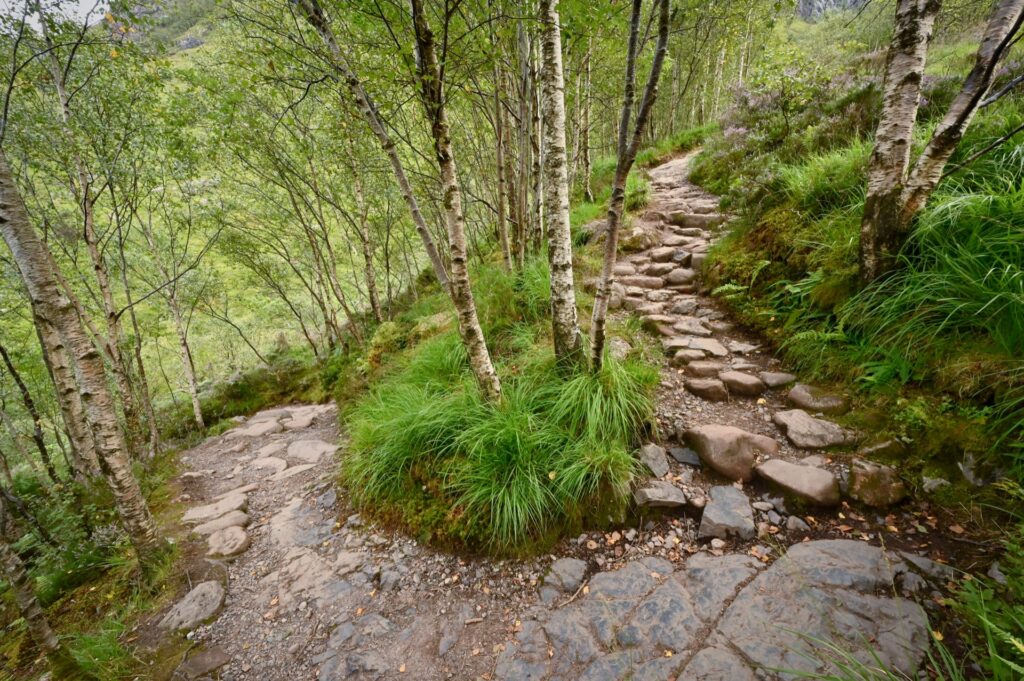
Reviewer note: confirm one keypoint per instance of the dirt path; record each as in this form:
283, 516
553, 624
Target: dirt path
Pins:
705, 590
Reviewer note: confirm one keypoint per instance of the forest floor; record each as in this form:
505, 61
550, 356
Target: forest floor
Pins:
720, 580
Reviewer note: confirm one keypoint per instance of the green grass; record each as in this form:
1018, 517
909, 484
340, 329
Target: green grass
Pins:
428, 452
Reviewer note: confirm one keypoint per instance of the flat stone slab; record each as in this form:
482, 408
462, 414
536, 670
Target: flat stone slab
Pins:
654, 457
776, 379
310, 451
724, 619
742, 384
201, 514
298, 422
271, 449
642, 282
203, 663
244, 489
811, 483
291, 472
727, 514
704, 368
691, 326
659, 494
239, 518
708, 345
272, 462
256, 429
707, 388
197, 607
227, 543
815, 400
807, 432
729, 450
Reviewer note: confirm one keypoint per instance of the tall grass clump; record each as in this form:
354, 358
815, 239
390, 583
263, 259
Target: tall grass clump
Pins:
428, 452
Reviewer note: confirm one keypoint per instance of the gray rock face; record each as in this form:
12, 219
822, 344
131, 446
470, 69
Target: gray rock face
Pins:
875, 484
776, 379
742, 384
807, 432
814, 399
816, 485
729, 450
310, 451
227, 543
727, 514
653, 456
708, 388
198, 606
659, 494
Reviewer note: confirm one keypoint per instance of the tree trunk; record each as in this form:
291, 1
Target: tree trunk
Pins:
588, 193
431, 93
187, 364
523, 142
880, 231
1003, 25
537, 149
33, 412
364, 240
499, 144
30, 256
627, 147
315, 16
565, 328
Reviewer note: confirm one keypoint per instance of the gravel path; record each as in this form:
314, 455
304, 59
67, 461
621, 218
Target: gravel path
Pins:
713, 580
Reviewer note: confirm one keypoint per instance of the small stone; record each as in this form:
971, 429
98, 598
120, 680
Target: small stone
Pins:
348, 562
680, 275
687, 357
807, 432
797, 525
729, 450
816, 400
814, 484
659, 494
728, 513
741, 348
653, 457
703, 368
742, 384
929, 485
708, 345
708, 388
875, 484
619, 348
691, 326
227, 543
198, 606
687, 305
686, 456
203, 663
763, 506
566, 574
718, 544
776, 379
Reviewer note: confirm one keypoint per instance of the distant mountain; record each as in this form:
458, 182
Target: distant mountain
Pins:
814, 9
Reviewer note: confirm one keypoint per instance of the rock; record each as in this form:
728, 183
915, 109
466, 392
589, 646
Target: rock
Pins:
675, 344
366, 662
816, 485
686, 305
776, 379
291, 472
659, 494
232, 519
742, 384
816, 400
875, 484
619, 348
680, 275
202, 663
929, 485
348, 562
708, 388
691, 326
298, 422
272, 462
189, 475
642, 282
197, 607
696, 220
662, 254
727, 514
686, 356
389, 580
729, 450
807, 432
200, 514
685, 456
259, 428
708, 345
797, 525
653, 457
227, 543
704, 368
886, 448
741, 348
310, 451
244, 489
623, 269
566, 574
657, 323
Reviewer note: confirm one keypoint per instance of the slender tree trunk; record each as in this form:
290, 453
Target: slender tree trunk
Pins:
627, 147
33, 412
30, 256
565, 328
524, 135
588, 193
537, 149
432, 94
499, 144
880, 230
62, 663
187, 364
5, 469
315, 16
364, 240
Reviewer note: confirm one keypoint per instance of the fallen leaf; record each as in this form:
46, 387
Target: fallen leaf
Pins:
401, 668
669, 653
956, 529
844, 528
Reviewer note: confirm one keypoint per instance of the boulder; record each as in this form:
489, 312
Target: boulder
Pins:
687, 305
742, 384
642, 282
234, 518
680, 275
197, 607
776, 379
687, 357
691, 326
310, 451
729, 450
658, 269
659, 494
813, 399
619, 348
807, 432
727, 513
227, 543
201, 514
875, 484
708, 388
654, 457
639, 237
703, 368
663, 254
708, 345
816, 485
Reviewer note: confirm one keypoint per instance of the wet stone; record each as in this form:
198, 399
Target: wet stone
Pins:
659, 494
875, 484
727, 514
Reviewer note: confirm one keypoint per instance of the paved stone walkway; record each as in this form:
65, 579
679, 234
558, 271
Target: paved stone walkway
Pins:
727, 586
